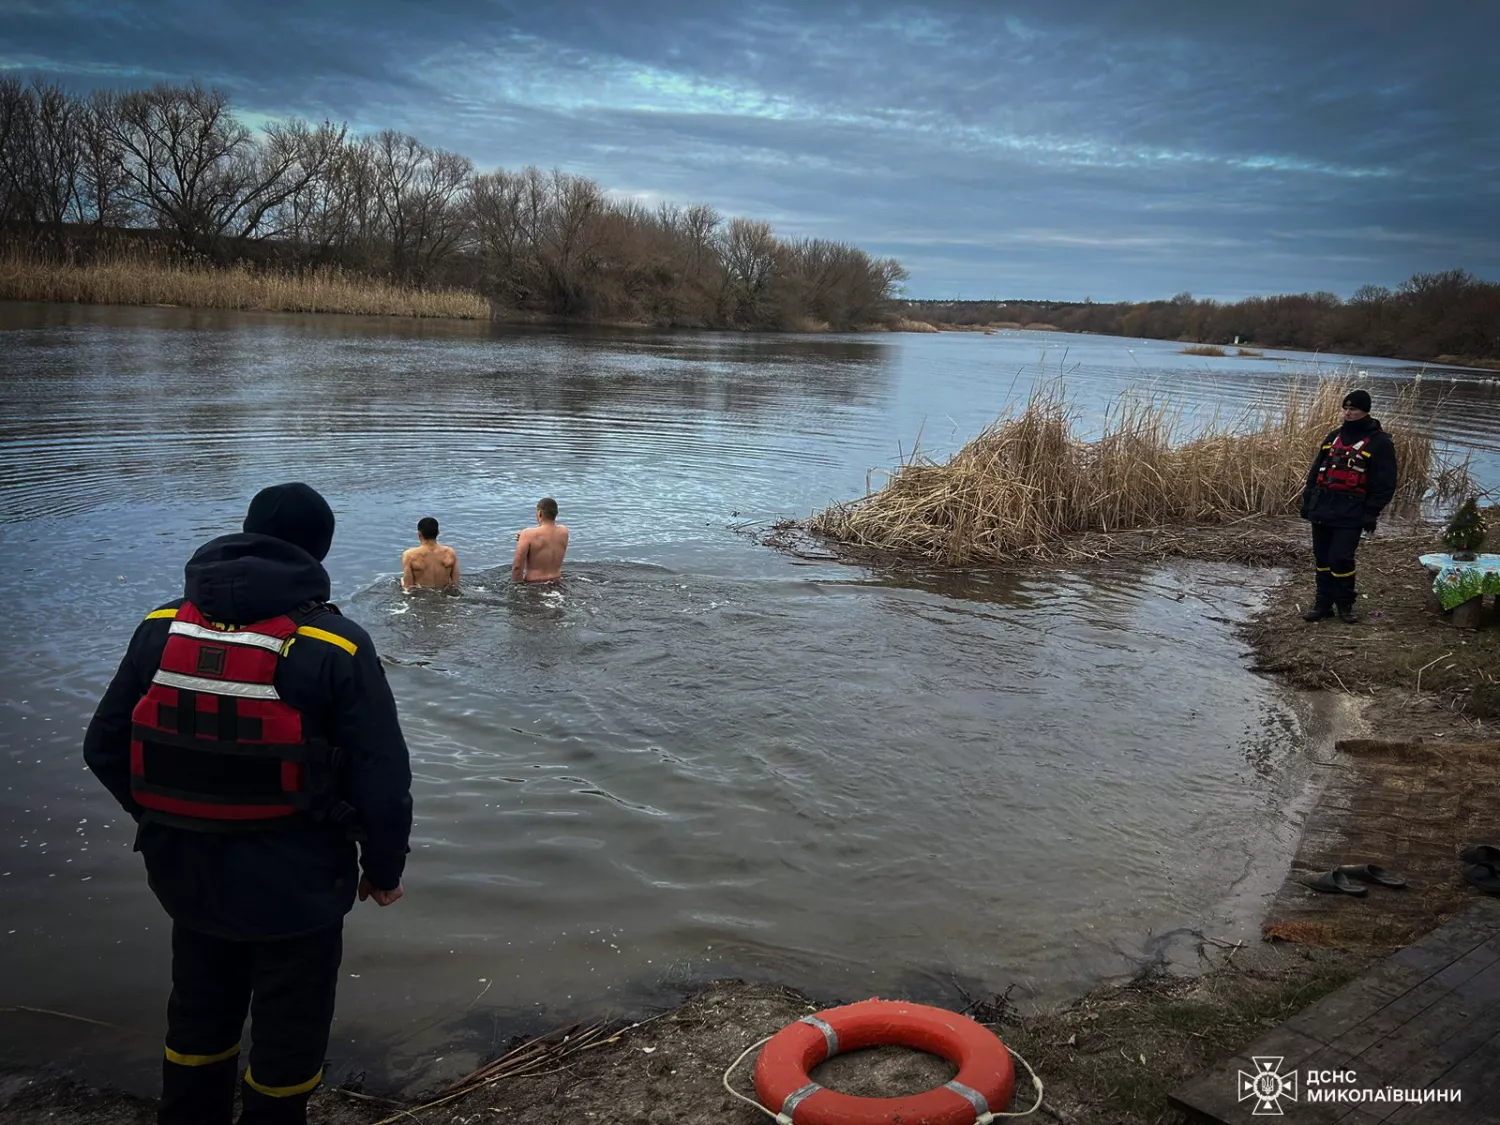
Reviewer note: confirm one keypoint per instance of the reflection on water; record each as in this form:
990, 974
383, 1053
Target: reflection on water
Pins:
689, 758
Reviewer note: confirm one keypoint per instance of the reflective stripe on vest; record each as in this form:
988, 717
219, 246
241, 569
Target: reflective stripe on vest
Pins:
220, 636
215, 687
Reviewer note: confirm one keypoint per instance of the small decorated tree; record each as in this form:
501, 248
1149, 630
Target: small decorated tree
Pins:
1465, 534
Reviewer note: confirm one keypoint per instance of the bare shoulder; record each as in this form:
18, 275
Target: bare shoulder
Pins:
409, 553
449, 556
562, 527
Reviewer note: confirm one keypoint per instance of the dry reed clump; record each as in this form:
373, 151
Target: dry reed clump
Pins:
1204, 349
128, 281
1248, 353
1027, 486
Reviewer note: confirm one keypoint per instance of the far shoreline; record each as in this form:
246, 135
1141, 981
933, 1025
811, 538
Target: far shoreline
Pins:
325, 291
1459, 363
503, 316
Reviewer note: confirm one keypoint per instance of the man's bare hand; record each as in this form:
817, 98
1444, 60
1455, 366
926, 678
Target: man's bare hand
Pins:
382, 898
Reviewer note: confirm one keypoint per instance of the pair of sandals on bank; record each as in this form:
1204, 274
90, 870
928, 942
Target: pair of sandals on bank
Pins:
1481, 868
1352, 879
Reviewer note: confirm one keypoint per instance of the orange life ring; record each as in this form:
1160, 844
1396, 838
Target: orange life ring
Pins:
985, 1081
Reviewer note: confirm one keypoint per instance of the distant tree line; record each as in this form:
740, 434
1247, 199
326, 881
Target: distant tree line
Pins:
1451, 314
171, 170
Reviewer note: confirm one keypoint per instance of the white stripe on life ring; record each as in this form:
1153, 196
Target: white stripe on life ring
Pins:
980, 1103
797, 1097
829, 1033
259, 640
215, 687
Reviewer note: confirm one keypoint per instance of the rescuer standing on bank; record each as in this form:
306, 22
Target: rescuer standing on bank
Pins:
1352, 479
251, 734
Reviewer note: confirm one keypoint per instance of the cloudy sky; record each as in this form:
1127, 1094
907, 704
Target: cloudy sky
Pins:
1114, 149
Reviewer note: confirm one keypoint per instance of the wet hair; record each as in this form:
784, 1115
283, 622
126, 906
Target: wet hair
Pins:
427, 527
548, 507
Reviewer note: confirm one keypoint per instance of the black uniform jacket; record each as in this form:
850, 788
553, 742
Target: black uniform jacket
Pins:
1346, 509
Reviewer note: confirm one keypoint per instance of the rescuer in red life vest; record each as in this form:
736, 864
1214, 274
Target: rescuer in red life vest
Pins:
251, 734
1352, 479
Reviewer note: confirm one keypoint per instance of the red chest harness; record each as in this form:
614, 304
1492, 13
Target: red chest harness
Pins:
1345, 467
213, 745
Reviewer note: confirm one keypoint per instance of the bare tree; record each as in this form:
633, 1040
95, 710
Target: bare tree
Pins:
503, 228
16, 205
569, 238
292, 157
397, 157
340, 211
101, 172
55, 159
437, 214
699, 225
199, 173
750, 254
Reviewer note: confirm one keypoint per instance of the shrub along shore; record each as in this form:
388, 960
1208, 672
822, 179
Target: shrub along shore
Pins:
1028, 487
124, 281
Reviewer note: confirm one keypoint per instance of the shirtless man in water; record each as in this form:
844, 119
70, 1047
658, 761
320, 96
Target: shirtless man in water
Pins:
431, 564
540, 549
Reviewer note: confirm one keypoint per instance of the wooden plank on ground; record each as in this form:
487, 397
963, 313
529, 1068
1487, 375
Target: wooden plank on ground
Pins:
1426, 1018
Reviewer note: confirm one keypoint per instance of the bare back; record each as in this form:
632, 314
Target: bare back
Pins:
539, 553
432, 565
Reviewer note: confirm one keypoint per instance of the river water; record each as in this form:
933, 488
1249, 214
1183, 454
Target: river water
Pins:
697, 758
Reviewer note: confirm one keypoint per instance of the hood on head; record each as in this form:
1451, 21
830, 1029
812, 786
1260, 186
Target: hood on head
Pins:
244, 578
295, 512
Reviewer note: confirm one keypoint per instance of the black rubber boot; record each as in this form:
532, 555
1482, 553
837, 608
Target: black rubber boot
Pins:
198, 1095
1320, 610
1347, 614
258, 1109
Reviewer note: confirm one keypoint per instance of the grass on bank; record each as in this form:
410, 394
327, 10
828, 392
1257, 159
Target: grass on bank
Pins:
127, 281
1112, 1057
1204, 349
1027, 484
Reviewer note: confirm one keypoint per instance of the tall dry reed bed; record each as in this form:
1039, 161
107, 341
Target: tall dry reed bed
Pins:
1027, 485
133, 281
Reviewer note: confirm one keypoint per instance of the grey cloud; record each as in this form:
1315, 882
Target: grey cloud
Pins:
1065, 147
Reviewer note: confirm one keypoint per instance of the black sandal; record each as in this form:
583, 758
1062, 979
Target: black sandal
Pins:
1485, 876
1371, 873
1336, 882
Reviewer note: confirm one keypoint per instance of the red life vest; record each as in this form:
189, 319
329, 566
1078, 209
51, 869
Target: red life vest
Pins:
1345, 468
213, 745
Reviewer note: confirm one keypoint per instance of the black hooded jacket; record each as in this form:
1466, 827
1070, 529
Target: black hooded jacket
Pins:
288, 880
1345, 509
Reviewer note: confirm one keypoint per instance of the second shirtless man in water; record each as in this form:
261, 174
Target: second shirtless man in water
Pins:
431, 564
540, 549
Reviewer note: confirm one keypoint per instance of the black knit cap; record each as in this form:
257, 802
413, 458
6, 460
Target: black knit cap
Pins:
1357, 400
295, 513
